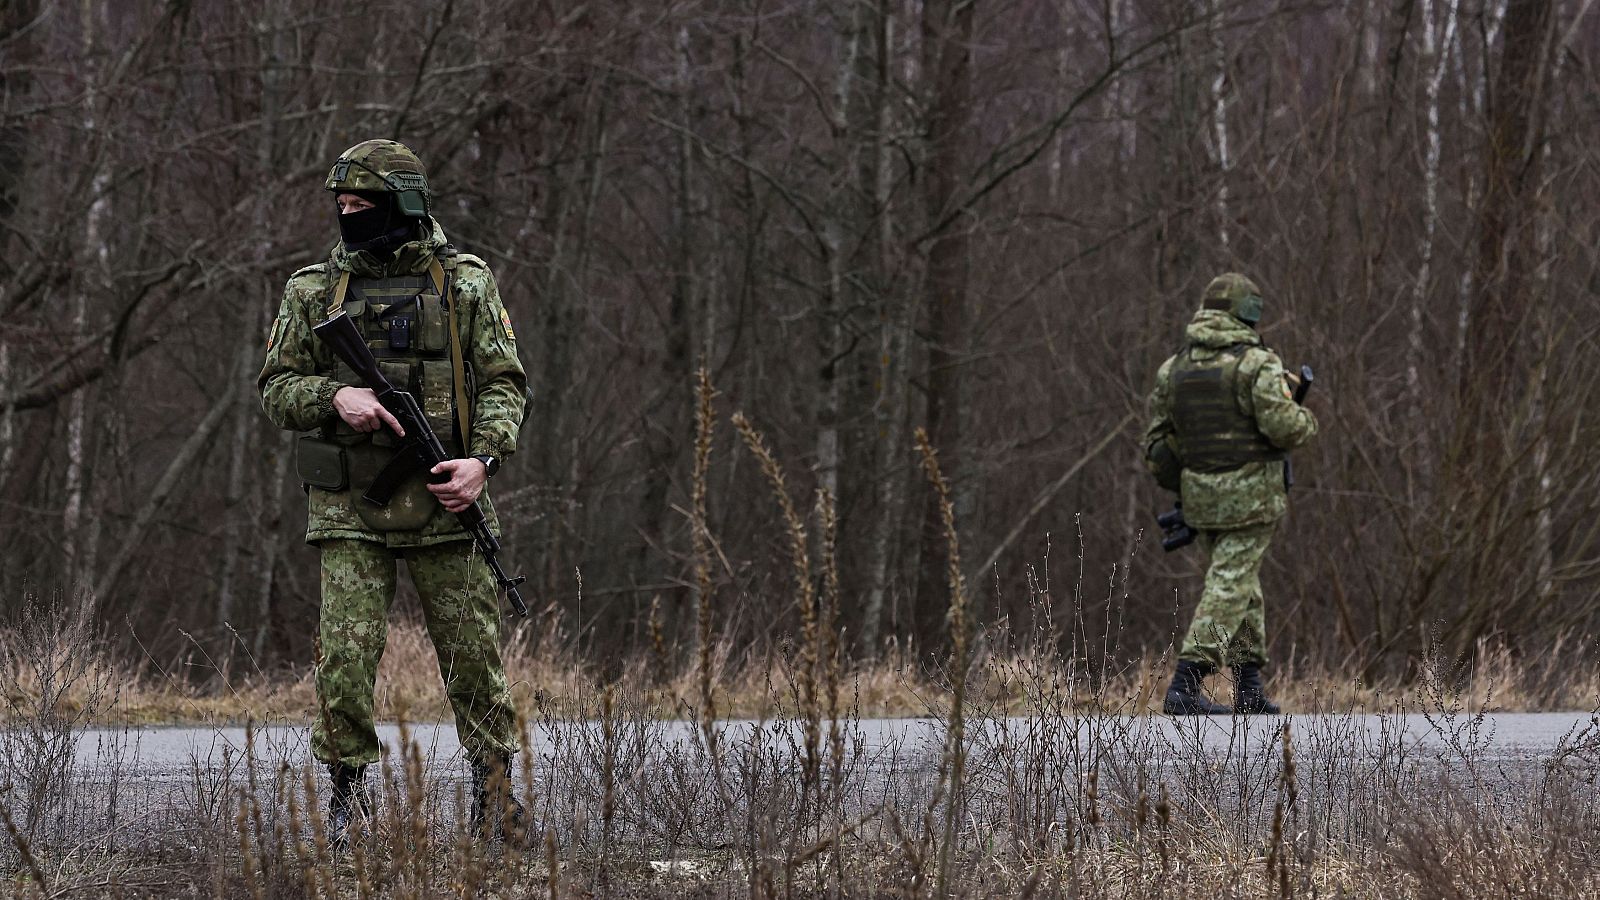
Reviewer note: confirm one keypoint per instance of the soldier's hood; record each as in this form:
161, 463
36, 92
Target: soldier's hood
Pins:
410, 258
1217, 328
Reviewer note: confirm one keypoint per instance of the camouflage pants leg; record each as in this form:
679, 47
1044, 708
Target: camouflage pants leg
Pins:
462, 610
357, 589
1230, 624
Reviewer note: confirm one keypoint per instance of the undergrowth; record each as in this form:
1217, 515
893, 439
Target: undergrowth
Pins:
1033, 768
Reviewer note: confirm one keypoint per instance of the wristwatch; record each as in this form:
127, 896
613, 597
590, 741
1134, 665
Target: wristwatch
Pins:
490, 464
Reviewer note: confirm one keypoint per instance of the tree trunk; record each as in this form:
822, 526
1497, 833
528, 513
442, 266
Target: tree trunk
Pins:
889, 407
240, 509
1437, 39
1513, 168
1219, 119
78, 543
947, 69
1494, 380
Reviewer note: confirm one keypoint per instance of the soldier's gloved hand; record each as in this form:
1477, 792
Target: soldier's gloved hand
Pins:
467, 477
360, 409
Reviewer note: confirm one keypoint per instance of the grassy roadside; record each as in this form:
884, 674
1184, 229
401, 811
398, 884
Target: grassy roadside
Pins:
410, 686
1071, 803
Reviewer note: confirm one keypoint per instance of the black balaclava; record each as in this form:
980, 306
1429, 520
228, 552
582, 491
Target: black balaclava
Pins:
378, 230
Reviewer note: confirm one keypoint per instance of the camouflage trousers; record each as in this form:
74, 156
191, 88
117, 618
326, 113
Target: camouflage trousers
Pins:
1230, 624
461, 608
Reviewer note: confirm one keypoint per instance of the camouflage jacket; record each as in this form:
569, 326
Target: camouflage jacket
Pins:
297, 384
1252, 494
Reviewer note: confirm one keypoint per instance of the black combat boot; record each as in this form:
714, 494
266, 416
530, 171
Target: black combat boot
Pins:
349, 803
1249, 693
497, 815
1183, 695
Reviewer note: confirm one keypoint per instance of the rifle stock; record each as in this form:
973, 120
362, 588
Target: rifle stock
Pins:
419, 449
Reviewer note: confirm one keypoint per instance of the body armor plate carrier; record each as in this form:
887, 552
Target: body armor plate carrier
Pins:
1215, 434
406, 324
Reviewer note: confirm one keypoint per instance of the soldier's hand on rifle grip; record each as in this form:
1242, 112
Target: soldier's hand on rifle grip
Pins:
467, 477
360, 409
1302, 384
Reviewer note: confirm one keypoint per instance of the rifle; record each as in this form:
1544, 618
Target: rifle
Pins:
419, 449
1300, 391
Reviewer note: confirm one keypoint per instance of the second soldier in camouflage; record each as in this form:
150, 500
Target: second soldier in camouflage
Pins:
1223, 410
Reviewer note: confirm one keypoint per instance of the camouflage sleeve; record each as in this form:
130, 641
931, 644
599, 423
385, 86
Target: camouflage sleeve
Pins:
1285, 422
1160, 406
293, 395
491, 346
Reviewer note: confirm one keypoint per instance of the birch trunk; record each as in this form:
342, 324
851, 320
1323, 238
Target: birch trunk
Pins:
1437, 41
79, 540
1219, 119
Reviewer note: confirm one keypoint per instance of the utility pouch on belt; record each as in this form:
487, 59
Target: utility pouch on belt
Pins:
1164, 463
321, 463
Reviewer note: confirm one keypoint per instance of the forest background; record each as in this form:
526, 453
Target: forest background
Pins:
863, 217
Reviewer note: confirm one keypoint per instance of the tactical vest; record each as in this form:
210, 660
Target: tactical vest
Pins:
1214, 433
407, 326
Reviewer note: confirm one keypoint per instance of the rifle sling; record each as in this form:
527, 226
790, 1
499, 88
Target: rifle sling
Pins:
457, 367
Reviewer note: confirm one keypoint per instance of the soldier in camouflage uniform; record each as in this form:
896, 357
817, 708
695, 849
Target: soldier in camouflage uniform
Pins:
1222, 420
411, 295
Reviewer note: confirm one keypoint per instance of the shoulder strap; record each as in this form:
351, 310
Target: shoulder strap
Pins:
339, 290
457, 368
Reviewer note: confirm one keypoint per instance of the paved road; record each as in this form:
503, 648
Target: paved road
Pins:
156, 786
176, 752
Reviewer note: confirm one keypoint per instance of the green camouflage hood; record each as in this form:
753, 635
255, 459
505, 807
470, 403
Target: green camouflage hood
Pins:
410, 258
1215, 329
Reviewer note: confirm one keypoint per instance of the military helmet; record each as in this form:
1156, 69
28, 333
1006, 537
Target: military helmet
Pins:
385, 166
1235, 293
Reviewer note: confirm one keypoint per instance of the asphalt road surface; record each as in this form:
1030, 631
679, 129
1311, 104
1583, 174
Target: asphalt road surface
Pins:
161, 753
157, 787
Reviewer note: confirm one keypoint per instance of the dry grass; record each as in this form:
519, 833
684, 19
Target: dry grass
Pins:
894, 685
1033, 780
1058, 798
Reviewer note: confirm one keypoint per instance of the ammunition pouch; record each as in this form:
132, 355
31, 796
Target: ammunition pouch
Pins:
409, 507
321, 463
